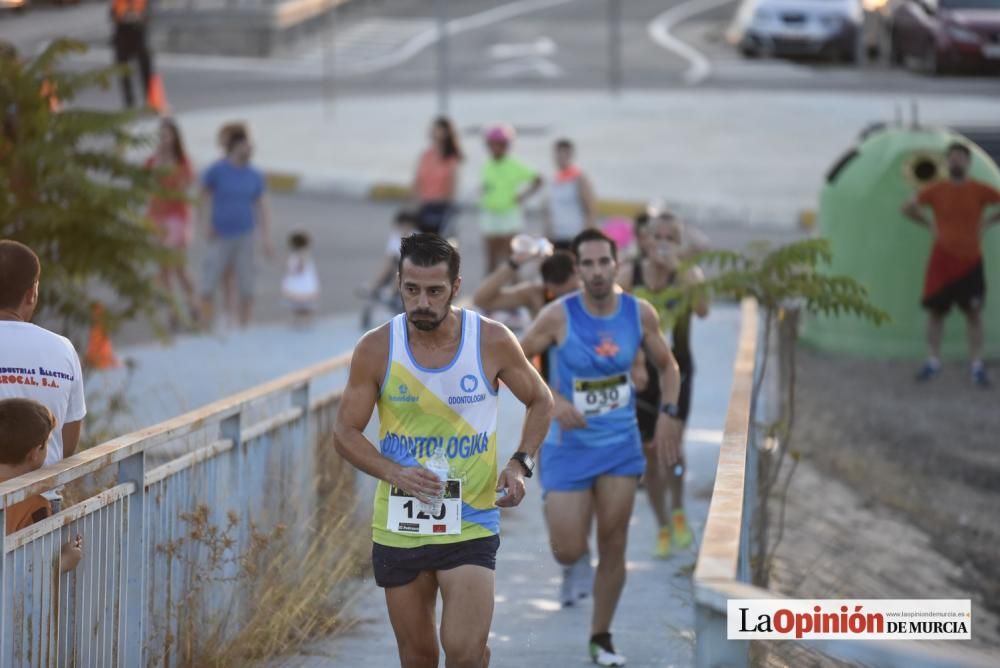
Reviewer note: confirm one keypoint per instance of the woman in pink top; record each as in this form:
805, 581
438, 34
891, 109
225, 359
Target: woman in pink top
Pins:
170, 211
437, 178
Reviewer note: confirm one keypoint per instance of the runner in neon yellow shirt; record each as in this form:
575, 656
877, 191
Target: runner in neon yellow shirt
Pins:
434, 373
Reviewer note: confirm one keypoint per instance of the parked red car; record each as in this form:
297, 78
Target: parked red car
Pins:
939, 35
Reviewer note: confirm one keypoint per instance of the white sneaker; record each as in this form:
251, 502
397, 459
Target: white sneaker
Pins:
582, 577
567, 596
603, 657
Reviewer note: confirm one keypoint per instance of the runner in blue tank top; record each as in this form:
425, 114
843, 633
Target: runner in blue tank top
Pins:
592, 457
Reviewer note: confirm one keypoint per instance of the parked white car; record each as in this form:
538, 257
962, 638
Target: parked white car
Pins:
824, 28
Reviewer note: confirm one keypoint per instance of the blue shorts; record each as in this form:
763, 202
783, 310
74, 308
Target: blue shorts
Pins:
566, 468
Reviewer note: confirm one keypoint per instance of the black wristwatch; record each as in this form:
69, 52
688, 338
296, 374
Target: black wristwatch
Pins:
526, 462
673, 410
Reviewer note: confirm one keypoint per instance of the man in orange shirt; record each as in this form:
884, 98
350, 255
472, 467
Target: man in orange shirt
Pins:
955, 269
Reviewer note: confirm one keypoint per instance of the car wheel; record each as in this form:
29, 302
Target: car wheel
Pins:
749, 52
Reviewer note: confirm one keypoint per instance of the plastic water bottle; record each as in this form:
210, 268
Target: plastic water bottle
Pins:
525, 244
522, 244
439, 466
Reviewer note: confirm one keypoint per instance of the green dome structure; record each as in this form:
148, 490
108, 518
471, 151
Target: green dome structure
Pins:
872, 242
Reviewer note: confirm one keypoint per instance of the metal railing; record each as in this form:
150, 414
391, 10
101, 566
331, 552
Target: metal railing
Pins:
722, 571
149, 536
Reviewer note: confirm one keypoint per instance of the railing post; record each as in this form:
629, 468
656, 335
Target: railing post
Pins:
3, 592
305, 475
132, 615
233, 496
712, 648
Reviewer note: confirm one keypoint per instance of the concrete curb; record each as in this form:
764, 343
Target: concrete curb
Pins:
388, 191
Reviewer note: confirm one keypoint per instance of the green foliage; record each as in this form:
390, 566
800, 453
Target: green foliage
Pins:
780, 276
69, 191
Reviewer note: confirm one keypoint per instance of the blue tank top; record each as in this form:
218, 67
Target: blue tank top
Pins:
592, 369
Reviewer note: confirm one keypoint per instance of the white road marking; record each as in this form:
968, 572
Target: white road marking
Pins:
543, 46
455, 27
536, 65
313, 66
660, 31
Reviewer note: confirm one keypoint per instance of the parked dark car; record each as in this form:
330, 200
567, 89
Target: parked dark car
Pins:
935, 36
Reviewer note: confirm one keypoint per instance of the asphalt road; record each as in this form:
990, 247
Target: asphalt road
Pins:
523, 44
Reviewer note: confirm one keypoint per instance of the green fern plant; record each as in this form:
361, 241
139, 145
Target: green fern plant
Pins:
784, 281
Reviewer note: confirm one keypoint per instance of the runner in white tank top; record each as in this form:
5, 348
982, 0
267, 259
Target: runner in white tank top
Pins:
434, 374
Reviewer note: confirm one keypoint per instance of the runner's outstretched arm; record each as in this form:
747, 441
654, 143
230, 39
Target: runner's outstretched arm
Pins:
668, 430
524, 382
545, 331
356, 406
495, 293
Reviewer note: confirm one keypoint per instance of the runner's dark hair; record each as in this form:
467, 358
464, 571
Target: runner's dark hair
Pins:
557, 268
591, 234
427, 250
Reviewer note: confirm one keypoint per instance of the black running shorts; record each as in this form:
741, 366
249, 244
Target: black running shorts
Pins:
398, 566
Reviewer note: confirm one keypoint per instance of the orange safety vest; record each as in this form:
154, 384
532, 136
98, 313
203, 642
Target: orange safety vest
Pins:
128, 10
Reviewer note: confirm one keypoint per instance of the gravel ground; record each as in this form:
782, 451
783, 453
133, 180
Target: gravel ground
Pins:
898, 490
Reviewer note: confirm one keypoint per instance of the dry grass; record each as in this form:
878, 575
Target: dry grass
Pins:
301, 589
297, 598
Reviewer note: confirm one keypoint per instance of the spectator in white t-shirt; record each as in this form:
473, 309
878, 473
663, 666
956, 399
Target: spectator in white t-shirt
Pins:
35, 363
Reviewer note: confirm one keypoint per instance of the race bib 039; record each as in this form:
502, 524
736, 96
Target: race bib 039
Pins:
597, 396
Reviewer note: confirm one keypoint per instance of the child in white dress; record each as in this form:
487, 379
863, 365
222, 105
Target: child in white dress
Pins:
300, 286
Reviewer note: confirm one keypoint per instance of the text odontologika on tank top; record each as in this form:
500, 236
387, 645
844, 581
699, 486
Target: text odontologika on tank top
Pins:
423, 446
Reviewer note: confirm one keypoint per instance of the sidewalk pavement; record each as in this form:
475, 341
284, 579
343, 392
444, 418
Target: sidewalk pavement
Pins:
168, 379
654, 625
655, 618
753, 157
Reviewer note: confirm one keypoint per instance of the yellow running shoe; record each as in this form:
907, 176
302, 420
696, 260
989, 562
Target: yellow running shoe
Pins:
662, 544
681, 532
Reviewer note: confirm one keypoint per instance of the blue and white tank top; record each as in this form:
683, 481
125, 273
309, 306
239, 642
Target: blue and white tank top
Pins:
453, 406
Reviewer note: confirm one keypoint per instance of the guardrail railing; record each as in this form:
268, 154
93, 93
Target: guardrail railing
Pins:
722, 571
128, 601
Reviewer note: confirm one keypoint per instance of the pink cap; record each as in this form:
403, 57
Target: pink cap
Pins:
500, 133
620, 230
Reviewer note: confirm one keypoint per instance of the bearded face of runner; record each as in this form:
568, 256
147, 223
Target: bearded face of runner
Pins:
427, 294
596, 265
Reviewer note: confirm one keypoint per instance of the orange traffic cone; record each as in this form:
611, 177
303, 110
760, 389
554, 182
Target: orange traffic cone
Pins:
157, 95
100, 354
